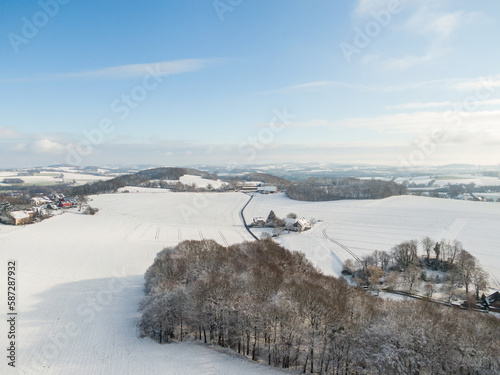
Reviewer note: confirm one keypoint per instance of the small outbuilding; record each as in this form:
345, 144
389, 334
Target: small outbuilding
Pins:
21, 217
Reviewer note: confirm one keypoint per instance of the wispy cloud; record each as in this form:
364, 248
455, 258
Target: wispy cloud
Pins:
8, 132
485, 125
307, 124
161, 68
452, 84
445, 104
433, 20
320, 86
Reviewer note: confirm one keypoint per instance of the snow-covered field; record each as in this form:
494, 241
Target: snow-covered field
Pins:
367, 225
80, 280
467, 179
200, 182
442, 181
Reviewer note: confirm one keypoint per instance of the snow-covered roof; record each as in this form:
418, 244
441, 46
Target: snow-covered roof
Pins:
303, 222
18, 215
267, 188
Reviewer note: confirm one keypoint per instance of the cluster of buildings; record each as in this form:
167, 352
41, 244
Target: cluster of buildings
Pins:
290, 223
41, 206
257, 186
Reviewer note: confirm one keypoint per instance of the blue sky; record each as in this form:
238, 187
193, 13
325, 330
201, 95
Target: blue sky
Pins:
227, 82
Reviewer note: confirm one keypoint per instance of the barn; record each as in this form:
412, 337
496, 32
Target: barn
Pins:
267, 189
21, 217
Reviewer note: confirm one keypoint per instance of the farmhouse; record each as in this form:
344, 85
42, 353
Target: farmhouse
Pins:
493, 302
267, 189
21, 217
297, 225
64, 203
38, 201
249, 186
259, 222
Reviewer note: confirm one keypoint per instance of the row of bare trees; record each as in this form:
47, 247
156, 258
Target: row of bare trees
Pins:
461, 268
272, 305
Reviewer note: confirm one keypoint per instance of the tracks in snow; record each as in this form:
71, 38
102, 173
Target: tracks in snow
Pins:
223, 239
349, 251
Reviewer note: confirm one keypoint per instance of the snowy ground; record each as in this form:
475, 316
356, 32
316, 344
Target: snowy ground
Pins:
200, 182
367, 225
460, 179
80, 279
467, 179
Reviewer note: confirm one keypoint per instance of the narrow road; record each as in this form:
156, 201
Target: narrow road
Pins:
243, 217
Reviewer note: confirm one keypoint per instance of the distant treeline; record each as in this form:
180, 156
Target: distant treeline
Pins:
12, 181
137, 179
272, 305
35, 189
329, 189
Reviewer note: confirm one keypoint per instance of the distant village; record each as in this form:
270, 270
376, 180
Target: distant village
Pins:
38, 209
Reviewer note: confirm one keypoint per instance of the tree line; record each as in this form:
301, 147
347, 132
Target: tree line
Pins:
274, 306
328, 189
141, 178
461, 268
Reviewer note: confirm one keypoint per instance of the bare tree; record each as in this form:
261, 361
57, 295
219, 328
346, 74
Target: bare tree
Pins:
455, 249
479, 279
405, 253
412, 275
428, 245
466, 266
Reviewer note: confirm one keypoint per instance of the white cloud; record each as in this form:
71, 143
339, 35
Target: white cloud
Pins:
321, 85
46, 146
161, 68
307, 124
434, 24
366, 7
480, 127
448, 104
434, 20
486, 84
8, 132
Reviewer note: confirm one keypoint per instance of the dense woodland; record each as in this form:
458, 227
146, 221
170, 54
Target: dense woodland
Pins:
273, 306
328, 189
